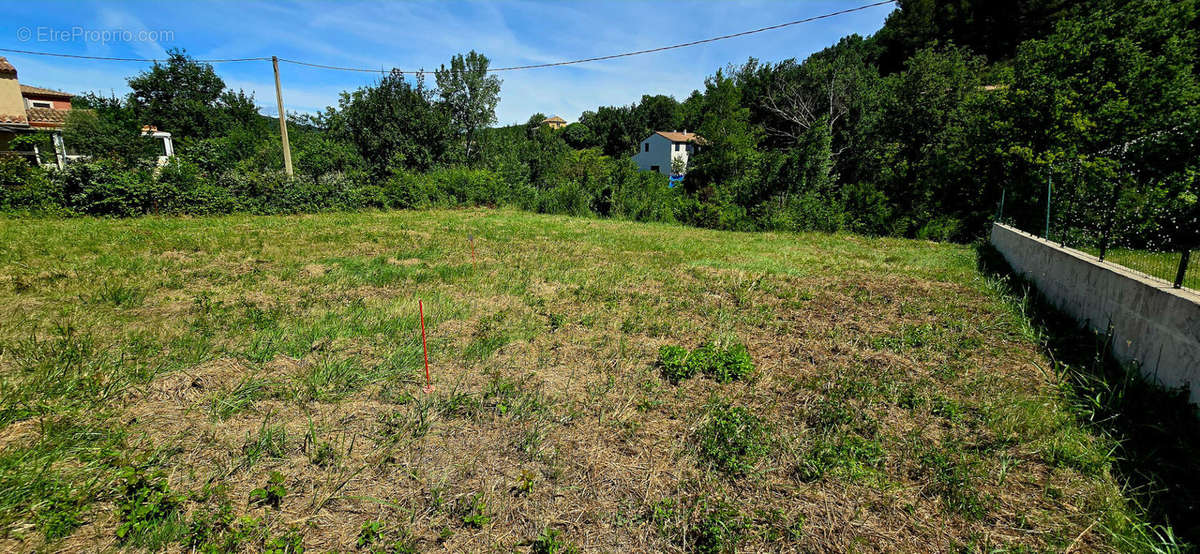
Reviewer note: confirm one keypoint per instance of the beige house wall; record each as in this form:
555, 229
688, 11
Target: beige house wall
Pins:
11, 101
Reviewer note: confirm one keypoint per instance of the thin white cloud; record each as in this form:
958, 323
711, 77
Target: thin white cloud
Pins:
115, 20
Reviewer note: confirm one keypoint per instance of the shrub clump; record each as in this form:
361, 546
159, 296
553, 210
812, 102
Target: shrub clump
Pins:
720, 529
723, 365
145, 502
731, 364
732, 440
673, 363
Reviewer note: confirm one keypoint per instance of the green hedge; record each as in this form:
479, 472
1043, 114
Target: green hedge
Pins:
582, 185
109, 188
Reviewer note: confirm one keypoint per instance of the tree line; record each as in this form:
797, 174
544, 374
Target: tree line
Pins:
918, 130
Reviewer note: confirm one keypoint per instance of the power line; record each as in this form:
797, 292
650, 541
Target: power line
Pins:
695, 42
103, 58
510, 68
336, 68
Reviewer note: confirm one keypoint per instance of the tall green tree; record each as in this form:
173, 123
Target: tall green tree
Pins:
990, 28
188, 99
920, 104
470, 96
1111, 101
730, 153
615, 129
579, 136
395, 124
656, 113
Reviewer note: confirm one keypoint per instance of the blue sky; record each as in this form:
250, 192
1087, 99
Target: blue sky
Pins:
414, 35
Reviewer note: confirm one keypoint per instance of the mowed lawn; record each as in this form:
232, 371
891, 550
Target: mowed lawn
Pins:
249, 383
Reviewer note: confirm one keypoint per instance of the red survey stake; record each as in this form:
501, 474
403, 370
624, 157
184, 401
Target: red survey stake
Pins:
428, 384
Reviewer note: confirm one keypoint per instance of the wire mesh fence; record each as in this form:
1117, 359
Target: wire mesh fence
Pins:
1139, 228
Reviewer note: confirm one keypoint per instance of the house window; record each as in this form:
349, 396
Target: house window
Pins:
654, 168
646, 147
677, 147
40, 104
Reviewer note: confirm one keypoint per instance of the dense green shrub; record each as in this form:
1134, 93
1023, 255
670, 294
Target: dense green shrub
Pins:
717, 215
106, 188
809, 211
27, 188
458, 186
448, 187
730, 364
643, 196
406, 189
867, 210
14, 171
566, 198
673, 363
723, 365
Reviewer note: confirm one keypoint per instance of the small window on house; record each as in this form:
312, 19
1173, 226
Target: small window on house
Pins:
677, 147
40, 104
646, 147
654, 168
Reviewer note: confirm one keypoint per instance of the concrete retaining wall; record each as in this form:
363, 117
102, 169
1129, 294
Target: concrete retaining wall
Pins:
1154, 325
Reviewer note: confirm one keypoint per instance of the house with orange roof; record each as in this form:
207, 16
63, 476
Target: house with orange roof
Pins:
46, 108
659, 150
555, 122
27, 109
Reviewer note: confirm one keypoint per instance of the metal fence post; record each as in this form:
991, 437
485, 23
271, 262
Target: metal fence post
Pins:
1181, 274
1000, 216
1049, 187
1110, 216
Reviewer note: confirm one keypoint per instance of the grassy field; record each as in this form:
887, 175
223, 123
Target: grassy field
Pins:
253, 383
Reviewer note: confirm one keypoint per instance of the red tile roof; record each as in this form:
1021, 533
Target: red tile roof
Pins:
10, 119
7, 68
27, 90
554, 119
47, 117
675, 136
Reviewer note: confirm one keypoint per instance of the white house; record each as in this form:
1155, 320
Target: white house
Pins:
656, 152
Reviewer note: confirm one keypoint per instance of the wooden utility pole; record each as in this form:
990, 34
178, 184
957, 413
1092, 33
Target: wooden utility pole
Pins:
287, 148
